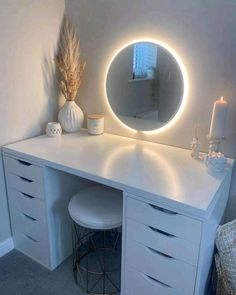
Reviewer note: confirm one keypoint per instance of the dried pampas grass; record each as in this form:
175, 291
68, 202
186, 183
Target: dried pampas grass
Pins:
69, 62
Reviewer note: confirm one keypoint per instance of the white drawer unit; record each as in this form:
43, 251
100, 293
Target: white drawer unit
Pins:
138, 283
162, 248
163, 242
167, 270
41, 226
165, 220
24, 168
33, 248
25, 185
30, 226
27, 207
27, 204
166, 252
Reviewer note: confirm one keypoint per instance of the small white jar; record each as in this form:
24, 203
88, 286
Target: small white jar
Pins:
53, 129
95, 124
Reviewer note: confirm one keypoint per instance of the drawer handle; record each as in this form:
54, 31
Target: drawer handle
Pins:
163, 210
150, 279
27, 196
24, 163
161, 232
25, 179
30, 238
159, 253
29, 217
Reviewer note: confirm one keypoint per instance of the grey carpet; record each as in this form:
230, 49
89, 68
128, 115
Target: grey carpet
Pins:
20, 275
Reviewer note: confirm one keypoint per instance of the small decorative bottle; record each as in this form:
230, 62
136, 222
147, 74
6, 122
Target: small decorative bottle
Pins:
195, 145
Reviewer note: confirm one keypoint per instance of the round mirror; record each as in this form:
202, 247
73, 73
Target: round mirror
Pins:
145, 86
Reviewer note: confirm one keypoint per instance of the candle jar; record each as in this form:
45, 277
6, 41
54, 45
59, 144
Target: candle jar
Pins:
95, 124
214, 144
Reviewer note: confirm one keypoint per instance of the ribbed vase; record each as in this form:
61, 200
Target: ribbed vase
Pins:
71, 117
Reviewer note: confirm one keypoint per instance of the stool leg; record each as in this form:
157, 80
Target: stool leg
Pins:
117, 238
116, 241
75, 249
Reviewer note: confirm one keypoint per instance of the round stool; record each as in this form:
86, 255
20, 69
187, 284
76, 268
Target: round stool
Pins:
96, 236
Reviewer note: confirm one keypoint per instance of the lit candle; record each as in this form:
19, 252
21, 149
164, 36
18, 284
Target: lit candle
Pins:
218, 118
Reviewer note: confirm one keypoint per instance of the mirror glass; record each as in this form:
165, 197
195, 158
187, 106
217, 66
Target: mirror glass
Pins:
144, 86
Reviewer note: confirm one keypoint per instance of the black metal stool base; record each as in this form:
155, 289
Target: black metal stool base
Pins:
97, 260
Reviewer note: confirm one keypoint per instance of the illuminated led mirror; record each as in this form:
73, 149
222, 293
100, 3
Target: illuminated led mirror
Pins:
145, 85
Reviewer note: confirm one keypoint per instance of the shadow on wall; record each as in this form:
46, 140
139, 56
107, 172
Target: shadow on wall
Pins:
51, 85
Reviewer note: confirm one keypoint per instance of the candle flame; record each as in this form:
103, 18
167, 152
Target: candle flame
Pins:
222, 98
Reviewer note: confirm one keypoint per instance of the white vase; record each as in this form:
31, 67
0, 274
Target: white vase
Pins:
71, 117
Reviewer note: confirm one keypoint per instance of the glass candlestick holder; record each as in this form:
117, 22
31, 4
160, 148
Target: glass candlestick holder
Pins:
215, 160
214, 144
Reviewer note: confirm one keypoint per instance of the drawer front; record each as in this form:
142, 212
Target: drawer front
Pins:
37, 250
137, 283
164, 220
167, 270
165, 243
24, 185
27, 204
24, 169
29, 226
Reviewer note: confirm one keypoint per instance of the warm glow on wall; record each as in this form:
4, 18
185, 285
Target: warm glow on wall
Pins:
184, 77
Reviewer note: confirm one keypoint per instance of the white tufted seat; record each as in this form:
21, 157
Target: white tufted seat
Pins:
97, 207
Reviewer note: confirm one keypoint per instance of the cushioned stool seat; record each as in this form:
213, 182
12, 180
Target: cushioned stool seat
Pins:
97, 207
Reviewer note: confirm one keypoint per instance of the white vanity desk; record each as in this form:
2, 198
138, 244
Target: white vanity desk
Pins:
172, 205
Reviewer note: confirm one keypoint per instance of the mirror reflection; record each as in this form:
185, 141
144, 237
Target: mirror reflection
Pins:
144, 86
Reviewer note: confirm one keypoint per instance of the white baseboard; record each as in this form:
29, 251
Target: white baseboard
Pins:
6, 246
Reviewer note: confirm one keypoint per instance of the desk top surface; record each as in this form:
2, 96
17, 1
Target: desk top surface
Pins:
157, 172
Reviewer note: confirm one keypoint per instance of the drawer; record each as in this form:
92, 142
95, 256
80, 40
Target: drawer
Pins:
27, 204
29, 226
165, 269
25, 185
164, 220
168, 244
137, 283
36, 250
24, 169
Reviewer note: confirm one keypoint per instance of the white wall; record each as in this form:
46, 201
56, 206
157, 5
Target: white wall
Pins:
203, 34
29, 32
